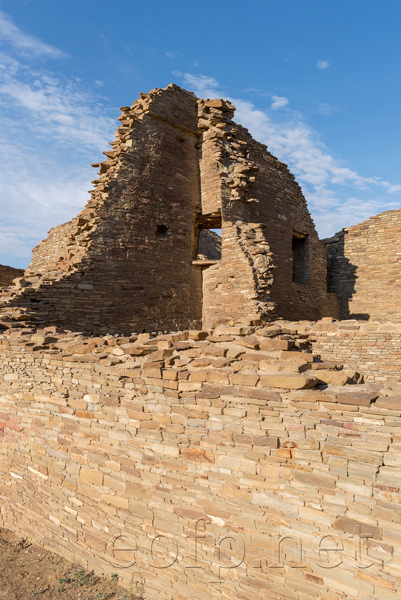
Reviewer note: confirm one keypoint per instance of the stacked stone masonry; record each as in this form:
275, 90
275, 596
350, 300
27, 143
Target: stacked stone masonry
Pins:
364, 268
8, 274
237, 454
373, 347
234, 451
180, 166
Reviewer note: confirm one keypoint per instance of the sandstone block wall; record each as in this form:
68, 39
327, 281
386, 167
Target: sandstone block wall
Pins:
373, 348
261, 207
8, 274
188, 460
364, 268
129, 261
126, 261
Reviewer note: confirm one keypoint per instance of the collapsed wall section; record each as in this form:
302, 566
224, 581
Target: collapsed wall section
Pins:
236, 288
298, 290
364, 268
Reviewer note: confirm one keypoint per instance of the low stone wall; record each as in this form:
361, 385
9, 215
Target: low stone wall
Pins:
187, 462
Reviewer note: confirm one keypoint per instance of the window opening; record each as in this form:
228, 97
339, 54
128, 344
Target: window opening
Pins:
209, 245
300, 258
208, 240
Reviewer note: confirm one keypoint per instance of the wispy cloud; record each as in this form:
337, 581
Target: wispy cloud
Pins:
52, 128
171, 55
203, 85
58, 109
37, 194
322, 64
279, 102
327, 109
337, 195
23, 43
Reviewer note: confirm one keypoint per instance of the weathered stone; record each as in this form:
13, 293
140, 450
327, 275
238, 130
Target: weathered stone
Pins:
288, 381
389, 402
359, 399
357, 528
298, 366
197, 454
272, 345
292, 355
332, 377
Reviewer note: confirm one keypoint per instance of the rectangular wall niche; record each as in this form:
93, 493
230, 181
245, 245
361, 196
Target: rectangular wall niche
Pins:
300, 258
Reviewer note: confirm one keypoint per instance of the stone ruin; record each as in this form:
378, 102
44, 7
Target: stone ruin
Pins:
186, 409
130, 261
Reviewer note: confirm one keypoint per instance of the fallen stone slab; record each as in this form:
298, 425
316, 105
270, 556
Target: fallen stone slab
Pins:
298, 366
288, 381
326, 366
358, 398
294, 355
389, 402
332, 377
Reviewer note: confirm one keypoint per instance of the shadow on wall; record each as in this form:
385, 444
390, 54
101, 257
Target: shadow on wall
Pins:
342, 277
107, 300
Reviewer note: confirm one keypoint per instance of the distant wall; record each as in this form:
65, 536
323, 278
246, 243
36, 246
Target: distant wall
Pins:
183, 456
8, 274
371, 348
364, 268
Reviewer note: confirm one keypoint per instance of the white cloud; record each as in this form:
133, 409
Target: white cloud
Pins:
37, 194
171, 55
337, 195
52, 128
322, 64
279, 102
203, 85
23, 43
61, 110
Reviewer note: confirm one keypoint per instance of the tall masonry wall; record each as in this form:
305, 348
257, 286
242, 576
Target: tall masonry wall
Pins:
261, 208
207, 465
128, 261
364, 268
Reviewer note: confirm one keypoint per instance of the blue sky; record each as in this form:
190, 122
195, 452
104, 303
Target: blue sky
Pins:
317, 81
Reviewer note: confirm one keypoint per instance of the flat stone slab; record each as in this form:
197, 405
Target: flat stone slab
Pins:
389, 402
288, 381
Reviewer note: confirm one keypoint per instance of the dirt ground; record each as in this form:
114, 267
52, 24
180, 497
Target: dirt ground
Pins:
28, 572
